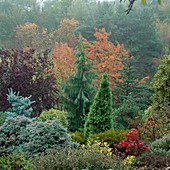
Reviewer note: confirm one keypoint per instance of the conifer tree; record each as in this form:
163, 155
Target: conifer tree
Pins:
99, 118
79, 89
157, 115
161, 87
20, 105
130, 97
131, 84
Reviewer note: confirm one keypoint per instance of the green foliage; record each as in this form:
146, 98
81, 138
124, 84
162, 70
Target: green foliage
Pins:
20, 105
159, 110
79, 89
125, 113
3, 117
110, 136
139, 36
161, 87
12, 161
20, 134
161, 146
39, 136
131, 85
53, 114
78, 137
99, 118
10, 133
88, 157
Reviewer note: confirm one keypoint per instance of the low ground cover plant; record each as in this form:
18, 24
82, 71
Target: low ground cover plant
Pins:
91, 156
152, 161
13, 161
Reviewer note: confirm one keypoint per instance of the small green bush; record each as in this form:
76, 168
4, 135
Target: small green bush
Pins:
13, 161
161, 146
53, 114
10, 133
78, 137
110, 136
3, 116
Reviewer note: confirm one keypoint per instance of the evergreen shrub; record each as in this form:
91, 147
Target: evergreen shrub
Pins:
99, 118
161, 146
3, 116
53, 114
110, 136
10, 133
20, 134
78, 137
39, 136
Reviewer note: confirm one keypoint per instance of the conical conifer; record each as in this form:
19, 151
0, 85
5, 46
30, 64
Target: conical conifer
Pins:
99, 118
79, 89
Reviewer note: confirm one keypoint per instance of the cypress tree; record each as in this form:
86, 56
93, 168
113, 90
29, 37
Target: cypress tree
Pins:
79, 89
99, 118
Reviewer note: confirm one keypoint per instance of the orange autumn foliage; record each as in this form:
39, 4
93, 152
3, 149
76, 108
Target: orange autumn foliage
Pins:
65, 31
106, 55
31, 35
63, 59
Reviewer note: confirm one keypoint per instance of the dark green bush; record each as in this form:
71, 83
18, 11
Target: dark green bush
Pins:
53, 114
13, 161
110, 136
161, 146
2, 117
78, 137
10, 133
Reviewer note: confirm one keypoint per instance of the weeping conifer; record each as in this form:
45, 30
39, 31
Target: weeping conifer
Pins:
79, 89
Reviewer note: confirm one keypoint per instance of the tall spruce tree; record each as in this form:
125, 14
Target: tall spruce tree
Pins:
99, 118
79, 89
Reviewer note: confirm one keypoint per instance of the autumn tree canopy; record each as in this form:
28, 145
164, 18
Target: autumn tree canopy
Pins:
106, 55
